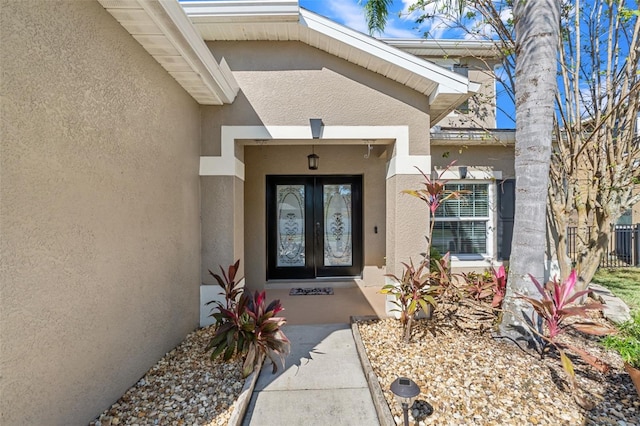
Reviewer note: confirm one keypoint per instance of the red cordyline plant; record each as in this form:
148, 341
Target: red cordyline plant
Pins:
434, 195
413, 292
247, 327
556, 305
498, 286
252, 331
231, 288
487, 287
418, 287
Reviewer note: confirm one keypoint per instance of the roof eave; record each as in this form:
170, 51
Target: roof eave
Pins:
165, 31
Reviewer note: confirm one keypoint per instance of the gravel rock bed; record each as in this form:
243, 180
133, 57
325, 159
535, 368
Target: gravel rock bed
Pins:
468, 377
183, 388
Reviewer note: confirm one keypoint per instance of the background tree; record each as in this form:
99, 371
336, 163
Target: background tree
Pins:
537, 24
596, 154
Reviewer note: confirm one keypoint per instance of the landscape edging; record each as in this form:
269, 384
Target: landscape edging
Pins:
242, 403
380, 403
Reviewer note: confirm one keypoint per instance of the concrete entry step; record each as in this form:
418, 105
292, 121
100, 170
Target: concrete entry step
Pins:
330, 309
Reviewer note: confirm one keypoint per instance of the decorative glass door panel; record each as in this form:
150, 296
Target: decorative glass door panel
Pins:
291, 226
314, 226
338, 239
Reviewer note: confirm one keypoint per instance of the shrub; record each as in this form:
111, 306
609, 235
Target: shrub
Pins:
556, 305
247, 327
412, 292
230, 287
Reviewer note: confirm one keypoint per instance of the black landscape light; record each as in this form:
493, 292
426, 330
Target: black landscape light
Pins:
406, 391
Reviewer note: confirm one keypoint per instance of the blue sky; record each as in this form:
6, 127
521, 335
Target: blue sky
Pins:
350, 13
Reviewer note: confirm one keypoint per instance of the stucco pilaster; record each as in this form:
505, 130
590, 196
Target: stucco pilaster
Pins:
222, 223
407, 222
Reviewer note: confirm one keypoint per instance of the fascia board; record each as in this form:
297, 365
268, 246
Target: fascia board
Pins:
176, 26
454, 48
239, 11
447, 81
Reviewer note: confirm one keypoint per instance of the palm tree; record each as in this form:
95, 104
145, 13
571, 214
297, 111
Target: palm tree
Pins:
537, 24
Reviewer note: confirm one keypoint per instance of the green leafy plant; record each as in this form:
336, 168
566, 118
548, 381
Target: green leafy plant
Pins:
557, 303
252, 331
478, 286
627, 341
412, 292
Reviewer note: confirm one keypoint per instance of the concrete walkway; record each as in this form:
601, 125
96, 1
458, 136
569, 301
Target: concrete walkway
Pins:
322, 382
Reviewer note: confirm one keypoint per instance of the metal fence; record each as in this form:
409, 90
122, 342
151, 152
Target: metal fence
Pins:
623, 250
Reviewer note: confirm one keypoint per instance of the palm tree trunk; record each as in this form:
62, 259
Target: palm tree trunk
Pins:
537, 31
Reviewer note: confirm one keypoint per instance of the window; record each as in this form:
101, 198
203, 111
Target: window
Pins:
462, 223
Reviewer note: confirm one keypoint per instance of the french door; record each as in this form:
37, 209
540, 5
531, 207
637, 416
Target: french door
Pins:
314, 226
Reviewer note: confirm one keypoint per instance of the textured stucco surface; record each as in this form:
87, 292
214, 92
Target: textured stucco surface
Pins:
99, 212
287, 83
335, 159
497, 158
408, 219
482, 112
223, 212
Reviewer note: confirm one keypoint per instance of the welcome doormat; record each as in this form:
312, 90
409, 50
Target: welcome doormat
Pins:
323, 291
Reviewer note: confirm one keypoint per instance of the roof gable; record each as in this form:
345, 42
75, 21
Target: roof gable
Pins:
237, 21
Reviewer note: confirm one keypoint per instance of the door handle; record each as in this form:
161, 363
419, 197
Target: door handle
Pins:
317, 232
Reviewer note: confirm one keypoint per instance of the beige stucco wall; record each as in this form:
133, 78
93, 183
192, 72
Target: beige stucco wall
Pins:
286, 84
99, 212
275, 160
482, 108
410, 217
222, 202
497, 158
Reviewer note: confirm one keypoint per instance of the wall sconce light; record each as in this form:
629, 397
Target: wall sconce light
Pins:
313, 159
316, 127
406, 391
463, 172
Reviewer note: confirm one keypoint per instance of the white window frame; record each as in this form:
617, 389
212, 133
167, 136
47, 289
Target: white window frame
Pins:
478, 175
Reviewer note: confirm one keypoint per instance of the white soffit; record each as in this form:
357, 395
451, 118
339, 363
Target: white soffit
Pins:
165, 31
250, 20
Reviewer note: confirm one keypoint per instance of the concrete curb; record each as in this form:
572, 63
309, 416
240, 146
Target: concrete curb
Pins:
242, 403
385, 418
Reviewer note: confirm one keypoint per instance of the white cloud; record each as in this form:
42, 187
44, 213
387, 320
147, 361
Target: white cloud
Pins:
351, 14
347, 13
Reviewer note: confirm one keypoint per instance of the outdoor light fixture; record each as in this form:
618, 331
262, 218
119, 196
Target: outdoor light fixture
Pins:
463, 172
313, 159
316, 127
406, 391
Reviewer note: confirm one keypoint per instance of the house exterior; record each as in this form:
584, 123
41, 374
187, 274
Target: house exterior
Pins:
144, 142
